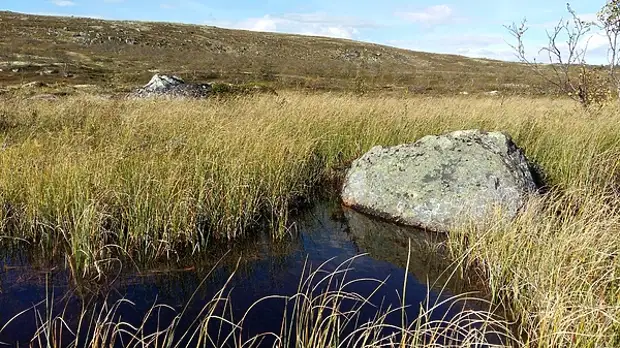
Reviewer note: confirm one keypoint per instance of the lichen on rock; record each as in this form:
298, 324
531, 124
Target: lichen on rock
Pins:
440, 181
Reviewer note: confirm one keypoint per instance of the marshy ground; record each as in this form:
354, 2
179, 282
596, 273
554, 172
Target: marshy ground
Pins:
95, 181
90, 183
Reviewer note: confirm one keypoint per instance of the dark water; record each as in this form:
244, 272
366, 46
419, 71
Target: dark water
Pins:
325, 233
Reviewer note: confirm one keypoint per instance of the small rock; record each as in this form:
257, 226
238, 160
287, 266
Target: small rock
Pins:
492, 93
47, 97
34, 84
48, 72
351, 55
172, 86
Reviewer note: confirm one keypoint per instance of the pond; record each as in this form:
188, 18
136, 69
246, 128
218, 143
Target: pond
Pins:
362, 261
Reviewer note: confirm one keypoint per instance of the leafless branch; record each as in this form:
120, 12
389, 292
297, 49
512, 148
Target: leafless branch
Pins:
564, 56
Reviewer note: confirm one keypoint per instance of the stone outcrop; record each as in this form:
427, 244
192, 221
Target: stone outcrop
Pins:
441, 181
172, 87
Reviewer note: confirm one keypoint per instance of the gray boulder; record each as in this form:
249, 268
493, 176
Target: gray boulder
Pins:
163, 83
172, 87
439, 182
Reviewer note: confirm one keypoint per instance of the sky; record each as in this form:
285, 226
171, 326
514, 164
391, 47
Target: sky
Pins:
472, 28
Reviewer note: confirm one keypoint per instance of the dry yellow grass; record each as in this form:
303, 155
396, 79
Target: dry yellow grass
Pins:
324, 312
116, 55
103, 178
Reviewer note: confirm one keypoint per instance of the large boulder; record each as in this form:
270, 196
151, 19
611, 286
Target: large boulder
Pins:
172, 87
442, 181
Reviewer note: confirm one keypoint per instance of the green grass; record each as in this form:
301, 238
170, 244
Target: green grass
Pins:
104, 179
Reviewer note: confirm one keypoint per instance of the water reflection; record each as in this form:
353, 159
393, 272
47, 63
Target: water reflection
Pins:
429, 260
263, 268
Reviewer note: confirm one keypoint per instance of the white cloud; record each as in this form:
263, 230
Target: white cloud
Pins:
505, 54
451, 43
497, 46
63, 3
315, 24
166, 6
430, 15
56, 14
597, 41
265, 23
588, 17
594, 41
337, 32
324, 18
491, 46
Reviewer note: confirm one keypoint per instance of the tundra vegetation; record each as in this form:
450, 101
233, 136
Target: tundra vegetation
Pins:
97, 180
102, 181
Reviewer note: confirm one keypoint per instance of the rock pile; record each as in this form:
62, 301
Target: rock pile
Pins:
172, 87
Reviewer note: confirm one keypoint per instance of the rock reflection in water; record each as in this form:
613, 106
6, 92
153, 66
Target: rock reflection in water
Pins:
428, 257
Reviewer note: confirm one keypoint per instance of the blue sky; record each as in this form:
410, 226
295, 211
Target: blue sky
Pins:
472, 28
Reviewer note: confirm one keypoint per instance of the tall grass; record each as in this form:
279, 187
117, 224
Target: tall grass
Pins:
324, 312
103, 179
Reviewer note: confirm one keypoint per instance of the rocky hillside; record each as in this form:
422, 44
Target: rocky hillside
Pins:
120, 54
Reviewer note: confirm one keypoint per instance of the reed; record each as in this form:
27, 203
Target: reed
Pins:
103, 179
325, 312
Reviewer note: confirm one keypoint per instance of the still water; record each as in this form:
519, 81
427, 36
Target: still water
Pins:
326, 236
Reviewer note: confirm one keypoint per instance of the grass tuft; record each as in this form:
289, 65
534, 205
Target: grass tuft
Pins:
101, 180
324, 312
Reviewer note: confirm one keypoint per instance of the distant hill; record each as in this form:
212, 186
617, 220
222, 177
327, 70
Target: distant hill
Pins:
120, 54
